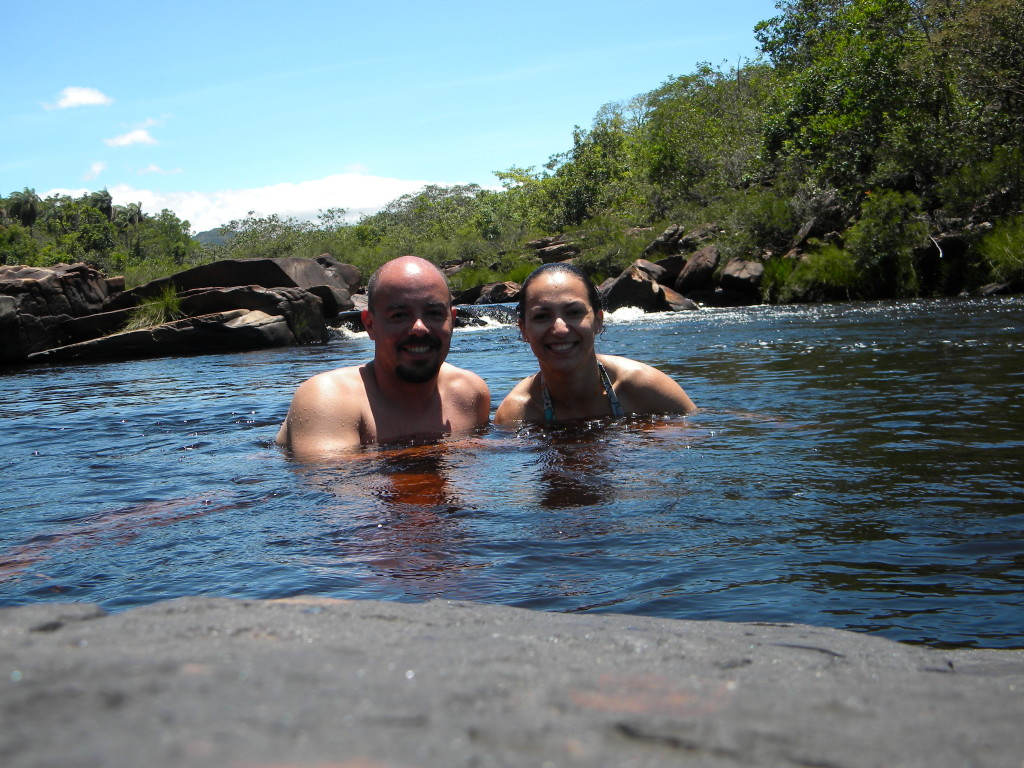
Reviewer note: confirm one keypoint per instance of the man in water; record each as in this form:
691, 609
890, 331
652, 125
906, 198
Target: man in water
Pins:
408, 391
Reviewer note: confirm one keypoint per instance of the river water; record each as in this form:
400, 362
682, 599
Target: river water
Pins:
855, 465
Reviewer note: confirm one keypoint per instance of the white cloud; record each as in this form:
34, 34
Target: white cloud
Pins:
151, 168
138, 136
94, 170
80, 97
359, 194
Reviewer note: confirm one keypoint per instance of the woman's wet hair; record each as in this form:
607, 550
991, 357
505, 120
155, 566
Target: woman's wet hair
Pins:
593, 295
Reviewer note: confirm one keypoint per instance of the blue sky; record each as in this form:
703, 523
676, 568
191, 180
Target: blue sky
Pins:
215, 109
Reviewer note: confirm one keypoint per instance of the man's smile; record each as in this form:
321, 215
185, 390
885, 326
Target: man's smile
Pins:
420, 346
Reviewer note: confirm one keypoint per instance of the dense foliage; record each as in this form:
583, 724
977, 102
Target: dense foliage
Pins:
120, 240
866, 129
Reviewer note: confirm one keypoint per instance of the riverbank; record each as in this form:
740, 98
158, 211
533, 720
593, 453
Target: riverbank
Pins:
319, 682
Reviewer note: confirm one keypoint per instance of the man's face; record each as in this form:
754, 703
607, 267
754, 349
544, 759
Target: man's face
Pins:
411, 322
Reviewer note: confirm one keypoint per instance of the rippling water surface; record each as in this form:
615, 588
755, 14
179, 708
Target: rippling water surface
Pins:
857, 466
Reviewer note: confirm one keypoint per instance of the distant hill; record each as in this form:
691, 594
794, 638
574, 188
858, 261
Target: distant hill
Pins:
212, 237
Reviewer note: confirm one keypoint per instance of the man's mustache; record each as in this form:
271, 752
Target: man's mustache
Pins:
418, 341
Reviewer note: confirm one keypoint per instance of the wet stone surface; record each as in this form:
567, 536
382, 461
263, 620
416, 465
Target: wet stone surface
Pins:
318, 682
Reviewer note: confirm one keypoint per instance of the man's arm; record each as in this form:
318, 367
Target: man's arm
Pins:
325, 415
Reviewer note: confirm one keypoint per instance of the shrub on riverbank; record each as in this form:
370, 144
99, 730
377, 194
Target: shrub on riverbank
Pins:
1003, 249
156, 310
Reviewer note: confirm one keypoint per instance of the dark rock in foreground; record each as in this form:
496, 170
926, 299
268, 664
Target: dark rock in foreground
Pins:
285, 272
73, 313
316, 682
37, 302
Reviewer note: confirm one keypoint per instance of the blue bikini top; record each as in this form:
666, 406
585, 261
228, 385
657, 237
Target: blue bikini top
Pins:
613, 399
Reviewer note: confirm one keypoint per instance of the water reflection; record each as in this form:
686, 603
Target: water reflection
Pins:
574, 467
857, 466
394, 511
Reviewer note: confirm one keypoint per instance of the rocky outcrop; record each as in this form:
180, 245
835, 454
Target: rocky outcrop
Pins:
676, 302
1006, 288
698, 238
743, 277
326, 281
556, 248
652, 270
672, 266
699, 271
498, 293
345, 274
637, 287
632, 288
667, 243
73, 312
489, 293
37, 302
230, 331
696, 280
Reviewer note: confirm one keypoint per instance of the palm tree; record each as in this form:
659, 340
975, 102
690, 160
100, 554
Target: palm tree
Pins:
24, 206
133, 217
103, 202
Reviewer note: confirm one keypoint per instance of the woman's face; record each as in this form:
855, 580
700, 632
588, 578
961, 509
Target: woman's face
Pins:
558, 321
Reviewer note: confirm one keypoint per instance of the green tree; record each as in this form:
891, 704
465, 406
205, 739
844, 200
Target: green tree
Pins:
102, 202
128, 220
24, 206
265, 237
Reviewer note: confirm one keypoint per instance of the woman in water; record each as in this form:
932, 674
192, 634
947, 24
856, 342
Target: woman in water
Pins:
560, 315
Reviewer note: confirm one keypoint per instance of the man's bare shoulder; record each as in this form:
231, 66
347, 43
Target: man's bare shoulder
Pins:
467, 392
338, 383
325, 412
453, 376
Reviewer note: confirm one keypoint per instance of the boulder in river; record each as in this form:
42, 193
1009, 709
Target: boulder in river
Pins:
52, 308
699, 271
290, 272
228, 331
636, 287
742, 276
36, 302
498, 293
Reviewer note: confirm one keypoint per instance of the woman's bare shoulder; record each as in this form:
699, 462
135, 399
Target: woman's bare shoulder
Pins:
648, 389
517, 404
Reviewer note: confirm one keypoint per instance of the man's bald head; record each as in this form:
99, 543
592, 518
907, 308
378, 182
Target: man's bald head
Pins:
403, 271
